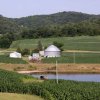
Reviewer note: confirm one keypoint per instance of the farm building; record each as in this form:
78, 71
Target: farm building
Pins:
41, 53
52, 51
15, 55
30, 57
35, 56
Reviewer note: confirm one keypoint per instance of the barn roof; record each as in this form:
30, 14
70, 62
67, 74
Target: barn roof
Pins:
52, 48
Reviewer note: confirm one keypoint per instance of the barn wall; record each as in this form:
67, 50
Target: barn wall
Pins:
51, 54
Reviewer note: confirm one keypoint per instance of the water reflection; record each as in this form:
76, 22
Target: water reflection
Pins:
77, 77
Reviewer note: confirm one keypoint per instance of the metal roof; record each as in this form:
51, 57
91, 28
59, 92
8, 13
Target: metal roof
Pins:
52, 48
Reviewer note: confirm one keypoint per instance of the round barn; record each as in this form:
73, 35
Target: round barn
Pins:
52, 51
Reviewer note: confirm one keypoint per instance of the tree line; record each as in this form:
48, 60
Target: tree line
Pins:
85, 28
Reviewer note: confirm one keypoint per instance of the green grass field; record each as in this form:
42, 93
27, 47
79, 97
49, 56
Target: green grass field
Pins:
13, 96
88, 43
75, 58
7, 59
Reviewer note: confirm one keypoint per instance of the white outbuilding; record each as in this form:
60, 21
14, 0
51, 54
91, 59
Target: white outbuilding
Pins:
41, 53
35, 56
52, 51
15, 55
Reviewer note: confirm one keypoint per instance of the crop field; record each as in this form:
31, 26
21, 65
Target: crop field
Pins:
87, 43
7, 59
69, 57
11, 82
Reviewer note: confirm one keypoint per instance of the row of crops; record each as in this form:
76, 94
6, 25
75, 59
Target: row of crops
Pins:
11, 82
49, 89
87, 43
7, 59
72, 57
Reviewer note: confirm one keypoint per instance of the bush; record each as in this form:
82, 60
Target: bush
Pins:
25, 52
59, 45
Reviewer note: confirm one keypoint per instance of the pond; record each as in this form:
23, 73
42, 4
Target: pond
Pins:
76, 77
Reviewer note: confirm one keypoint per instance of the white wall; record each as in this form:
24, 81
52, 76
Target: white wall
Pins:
52, 54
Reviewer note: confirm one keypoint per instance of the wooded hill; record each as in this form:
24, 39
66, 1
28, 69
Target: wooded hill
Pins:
8, 26
53, 25
16, 24
54, 19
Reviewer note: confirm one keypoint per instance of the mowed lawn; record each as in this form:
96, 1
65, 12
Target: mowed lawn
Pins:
70, 57
87, 43
12, 96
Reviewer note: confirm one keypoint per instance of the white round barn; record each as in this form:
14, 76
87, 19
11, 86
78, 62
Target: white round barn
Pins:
52, 51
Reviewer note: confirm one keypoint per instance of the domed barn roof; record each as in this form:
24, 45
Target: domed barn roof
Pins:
52, 48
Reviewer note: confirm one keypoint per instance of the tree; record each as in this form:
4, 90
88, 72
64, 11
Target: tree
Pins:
19, 50
4, 42
59, 45
39, 46
25, 52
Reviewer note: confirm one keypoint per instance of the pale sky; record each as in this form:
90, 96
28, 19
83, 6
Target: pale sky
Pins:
22, 8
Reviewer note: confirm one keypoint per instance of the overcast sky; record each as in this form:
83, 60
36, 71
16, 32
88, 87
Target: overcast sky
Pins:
22, 8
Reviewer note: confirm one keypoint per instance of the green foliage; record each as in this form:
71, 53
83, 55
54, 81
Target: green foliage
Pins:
25, 51
59, 45
62, 24
49, 89
19, 50
7, 59
6, 40
36, 50
59, 24
13, 83
71, 90
53, 19
39, 46
8, 26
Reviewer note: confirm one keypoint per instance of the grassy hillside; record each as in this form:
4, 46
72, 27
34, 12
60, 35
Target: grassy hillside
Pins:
13, 96
87, 43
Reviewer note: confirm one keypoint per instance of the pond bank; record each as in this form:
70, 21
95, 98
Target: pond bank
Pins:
63, 68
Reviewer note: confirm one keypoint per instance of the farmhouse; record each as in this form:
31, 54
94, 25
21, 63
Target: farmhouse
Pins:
15, 55
52, 51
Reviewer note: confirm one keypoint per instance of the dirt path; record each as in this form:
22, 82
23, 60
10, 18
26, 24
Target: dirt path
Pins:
81, 51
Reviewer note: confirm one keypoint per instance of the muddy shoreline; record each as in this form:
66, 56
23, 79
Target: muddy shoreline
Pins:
54, 72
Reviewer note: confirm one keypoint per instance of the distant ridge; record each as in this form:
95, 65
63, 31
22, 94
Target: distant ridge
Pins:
56, 18
15, 25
